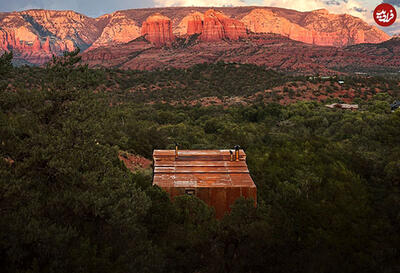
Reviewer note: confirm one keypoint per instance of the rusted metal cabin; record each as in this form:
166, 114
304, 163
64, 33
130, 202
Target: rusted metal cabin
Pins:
218, 177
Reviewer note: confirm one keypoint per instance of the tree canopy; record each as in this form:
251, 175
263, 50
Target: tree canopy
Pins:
327, 179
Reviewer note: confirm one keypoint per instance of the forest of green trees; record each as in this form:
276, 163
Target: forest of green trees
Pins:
328, 180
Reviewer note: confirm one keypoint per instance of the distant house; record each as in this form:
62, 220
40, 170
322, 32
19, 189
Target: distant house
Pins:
343, 106
395, 105
218, 177
321, 77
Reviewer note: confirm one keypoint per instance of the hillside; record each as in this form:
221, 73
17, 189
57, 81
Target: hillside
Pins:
272, 50
76, 194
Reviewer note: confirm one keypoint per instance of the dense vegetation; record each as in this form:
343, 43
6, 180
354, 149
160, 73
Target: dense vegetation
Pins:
222, 81
328, 180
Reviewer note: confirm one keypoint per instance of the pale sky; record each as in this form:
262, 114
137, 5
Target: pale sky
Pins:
94, 8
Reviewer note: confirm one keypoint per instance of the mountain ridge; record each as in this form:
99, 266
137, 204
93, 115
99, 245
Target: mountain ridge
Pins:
35, 35
271, 50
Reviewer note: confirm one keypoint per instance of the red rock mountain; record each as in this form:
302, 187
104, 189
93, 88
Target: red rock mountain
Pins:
157, 29
317, 27
217, 26
117, 28
212, 26
271, 50
193, 23
34, 35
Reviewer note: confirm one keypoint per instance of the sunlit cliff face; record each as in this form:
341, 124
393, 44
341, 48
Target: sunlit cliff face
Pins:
37, 34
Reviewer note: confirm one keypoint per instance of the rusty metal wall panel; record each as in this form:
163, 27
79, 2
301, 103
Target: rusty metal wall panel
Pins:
191, 155
202, 169
204, 194
203, 179
253, 194
171, 163
233, 195
221, 199
211, 174
218, 201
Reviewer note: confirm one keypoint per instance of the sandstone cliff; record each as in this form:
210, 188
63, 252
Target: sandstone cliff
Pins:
191, 24
34, 35
212, 26
157, 29
37, 34
217, 26
119, 29
317, 27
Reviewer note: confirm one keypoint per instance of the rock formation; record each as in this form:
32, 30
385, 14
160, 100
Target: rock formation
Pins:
37, 34
157, 29
218, 26
119, 29
46, 45
24, 32
63, 25
192, 24
212, 26
317, 27
272, 50
36, 47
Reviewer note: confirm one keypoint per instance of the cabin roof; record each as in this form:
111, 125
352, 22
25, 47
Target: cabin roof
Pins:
200, 168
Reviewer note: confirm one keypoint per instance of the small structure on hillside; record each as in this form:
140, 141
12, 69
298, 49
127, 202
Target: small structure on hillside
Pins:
343, 106
395, 105
218, 177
